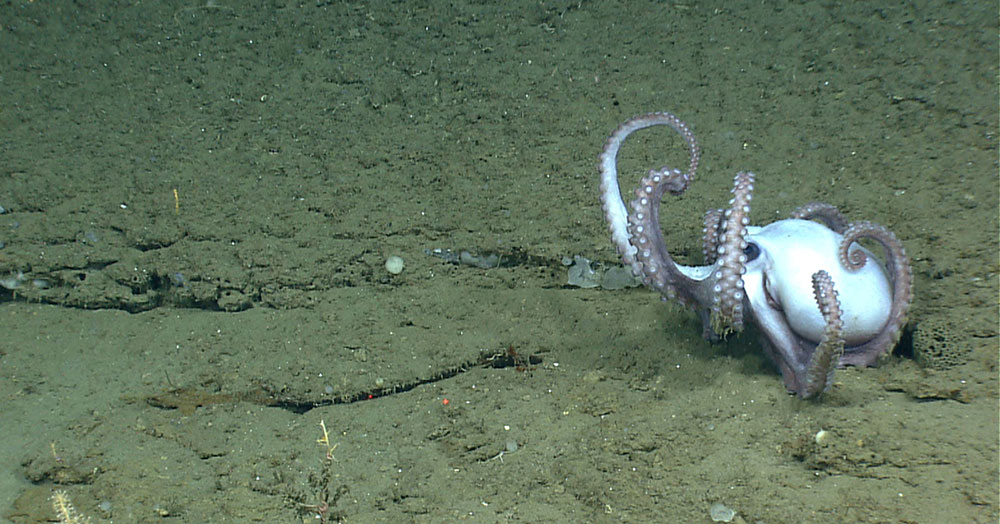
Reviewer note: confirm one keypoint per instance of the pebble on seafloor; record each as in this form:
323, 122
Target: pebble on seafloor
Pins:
394, 264
721, 513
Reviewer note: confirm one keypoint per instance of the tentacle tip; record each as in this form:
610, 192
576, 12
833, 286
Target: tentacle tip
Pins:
817, 382
856, 260
723, 324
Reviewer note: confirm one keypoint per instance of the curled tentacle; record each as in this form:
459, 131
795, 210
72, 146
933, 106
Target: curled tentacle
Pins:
819, 373
897, 265
855, 260
611, 197
654, 263
830, 215
727, 301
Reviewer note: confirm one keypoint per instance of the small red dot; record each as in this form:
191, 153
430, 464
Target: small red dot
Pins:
445, 402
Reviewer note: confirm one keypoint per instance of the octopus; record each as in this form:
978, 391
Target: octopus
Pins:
820, 299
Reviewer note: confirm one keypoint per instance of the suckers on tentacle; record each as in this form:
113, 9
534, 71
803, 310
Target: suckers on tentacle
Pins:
727, 300
819, 374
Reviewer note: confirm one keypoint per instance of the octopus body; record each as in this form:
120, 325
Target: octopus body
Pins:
820, 298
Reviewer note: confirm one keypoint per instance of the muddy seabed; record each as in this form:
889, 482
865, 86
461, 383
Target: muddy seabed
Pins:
199, 200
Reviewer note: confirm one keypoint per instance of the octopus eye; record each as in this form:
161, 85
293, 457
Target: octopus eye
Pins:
752, 251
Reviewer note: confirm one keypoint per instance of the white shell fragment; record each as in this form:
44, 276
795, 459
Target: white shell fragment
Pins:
721, 513
394, 264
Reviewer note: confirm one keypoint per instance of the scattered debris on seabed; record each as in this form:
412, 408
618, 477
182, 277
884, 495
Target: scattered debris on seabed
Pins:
581, 272
586, 274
